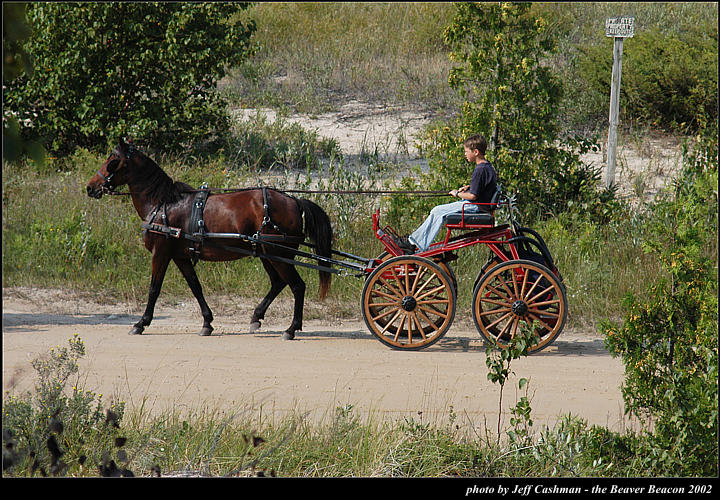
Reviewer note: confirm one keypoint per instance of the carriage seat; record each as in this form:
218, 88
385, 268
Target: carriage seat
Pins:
470, 219
485, 217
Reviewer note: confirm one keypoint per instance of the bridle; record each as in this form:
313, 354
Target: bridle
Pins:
107, 185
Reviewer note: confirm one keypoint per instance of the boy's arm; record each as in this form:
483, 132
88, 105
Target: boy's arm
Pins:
463, 193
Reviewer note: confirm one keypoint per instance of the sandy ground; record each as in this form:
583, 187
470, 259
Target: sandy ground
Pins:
330, 364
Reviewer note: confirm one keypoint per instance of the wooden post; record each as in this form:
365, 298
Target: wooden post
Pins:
618, 28
614, 111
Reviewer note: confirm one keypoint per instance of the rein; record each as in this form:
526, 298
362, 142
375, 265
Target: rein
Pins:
307, 191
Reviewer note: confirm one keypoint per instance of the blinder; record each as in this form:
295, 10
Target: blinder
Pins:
107, 184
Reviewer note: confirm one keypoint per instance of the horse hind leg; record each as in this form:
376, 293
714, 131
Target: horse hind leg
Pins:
297, 286
277, 284
188, 271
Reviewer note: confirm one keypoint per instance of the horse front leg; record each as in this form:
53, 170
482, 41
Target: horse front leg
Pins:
188, 271
160, 261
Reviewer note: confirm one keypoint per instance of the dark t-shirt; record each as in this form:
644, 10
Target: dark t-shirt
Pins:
483, 184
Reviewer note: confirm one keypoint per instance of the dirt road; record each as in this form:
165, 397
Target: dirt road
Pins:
331, 363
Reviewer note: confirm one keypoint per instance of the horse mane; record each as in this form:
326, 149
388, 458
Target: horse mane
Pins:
158, 185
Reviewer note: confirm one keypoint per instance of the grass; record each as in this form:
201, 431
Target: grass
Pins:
311, 57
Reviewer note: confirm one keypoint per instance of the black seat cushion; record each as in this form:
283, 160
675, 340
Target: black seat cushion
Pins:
473, 219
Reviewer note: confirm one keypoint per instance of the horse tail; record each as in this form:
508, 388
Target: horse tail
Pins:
318, 229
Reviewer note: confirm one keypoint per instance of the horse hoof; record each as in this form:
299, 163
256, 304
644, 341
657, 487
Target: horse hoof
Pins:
206, 330
288, 336
136, 330
254, 326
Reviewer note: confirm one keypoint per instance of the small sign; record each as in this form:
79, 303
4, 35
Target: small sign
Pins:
620, 27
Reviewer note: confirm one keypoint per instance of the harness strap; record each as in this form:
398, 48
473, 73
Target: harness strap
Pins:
196, 225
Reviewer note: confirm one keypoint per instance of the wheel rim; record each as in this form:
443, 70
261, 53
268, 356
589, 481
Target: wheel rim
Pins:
408, 302
515, 293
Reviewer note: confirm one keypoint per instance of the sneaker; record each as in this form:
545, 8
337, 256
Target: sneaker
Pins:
406, 245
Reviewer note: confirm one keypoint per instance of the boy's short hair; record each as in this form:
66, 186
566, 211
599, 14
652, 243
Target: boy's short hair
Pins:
476, 141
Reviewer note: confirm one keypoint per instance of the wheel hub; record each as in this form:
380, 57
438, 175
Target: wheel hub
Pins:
519, 308
408, 303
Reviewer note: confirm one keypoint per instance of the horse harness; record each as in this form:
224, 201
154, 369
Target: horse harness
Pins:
198, 234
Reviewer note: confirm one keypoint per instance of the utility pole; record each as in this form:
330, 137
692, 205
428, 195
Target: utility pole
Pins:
618, 28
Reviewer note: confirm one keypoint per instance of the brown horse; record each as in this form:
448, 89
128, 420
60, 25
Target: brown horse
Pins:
158, 200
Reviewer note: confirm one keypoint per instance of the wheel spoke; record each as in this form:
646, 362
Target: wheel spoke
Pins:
397, 313
419, 324
495, 302
435, 301
407, 278
399, 282
495, 311
499, 293
498, 320
532, 288
433, 311
419, 274
382, 304
514, 327
426, 283
433, 291
544, 313
515, 283
383, 315
530, 301
398, 295
503, 282
524, 284
408, 318
509, 322
397, 333
536, 318
383, 294
546, 303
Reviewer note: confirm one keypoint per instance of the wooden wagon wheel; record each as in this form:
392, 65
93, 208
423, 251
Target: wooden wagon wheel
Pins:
408, 302
519, 292
428, 328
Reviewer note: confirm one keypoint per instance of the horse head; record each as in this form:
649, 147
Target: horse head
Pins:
114, 171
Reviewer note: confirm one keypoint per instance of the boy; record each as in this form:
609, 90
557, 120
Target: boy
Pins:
480, 190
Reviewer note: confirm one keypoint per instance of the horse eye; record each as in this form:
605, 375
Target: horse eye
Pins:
112, 166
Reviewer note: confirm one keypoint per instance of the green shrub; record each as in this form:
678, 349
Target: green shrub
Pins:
259, 145
148, 70
668, 81
55, 429
668, 340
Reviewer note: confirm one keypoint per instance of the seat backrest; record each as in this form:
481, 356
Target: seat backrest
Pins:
496, 196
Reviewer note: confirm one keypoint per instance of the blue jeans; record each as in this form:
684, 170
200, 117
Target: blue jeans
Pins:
423, 236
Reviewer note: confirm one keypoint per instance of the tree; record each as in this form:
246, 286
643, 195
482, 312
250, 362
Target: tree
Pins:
511, 97
148, 70
15, 63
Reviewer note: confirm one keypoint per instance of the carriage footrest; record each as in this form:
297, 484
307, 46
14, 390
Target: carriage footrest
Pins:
472, 219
